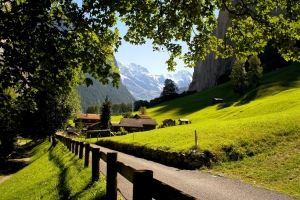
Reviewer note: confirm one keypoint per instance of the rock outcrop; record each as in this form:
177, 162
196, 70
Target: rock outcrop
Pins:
207, 72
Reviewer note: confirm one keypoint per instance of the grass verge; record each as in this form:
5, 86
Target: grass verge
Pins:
53, 173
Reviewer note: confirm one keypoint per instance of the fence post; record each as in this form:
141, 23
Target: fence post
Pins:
80, 150
95, 164
76, 148
111, 176
69, 144
86, 154
142, 184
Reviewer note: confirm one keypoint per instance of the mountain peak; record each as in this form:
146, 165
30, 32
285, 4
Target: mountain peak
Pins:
145, 86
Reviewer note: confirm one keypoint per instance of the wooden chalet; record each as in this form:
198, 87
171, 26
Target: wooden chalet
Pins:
169, 122
134, 125
183, 121
90, 121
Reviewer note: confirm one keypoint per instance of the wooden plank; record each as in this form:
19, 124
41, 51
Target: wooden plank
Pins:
103, 156
126, 171
161, 190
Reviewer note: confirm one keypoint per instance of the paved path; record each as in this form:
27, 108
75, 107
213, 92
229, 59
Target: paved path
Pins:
193, 182
23, 160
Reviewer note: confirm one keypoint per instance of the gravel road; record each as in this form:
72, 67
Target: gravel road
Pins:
193, 182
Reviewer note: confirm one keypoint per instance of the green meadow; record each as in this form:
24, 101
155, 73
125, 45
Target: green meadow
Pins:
255, 137
53, 173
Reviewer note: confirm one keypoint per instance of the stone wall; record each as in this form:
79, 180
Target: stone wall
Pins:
191, 160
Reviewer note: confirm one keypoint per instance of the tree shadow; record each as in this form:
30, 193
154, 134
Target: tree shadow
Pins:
224, 105
63, 190
19, 158
248, 97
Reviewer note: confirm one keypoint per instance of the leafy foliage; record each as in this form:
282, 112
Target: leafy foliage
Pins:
53, 113
45, 44
169, 88
143, 110
127, 114
238, 77
255, 71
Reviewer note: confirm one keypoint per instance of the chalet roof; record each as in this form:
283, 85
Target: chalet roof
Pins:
133, 122
115, 124
183, 120
89, 116
141, 116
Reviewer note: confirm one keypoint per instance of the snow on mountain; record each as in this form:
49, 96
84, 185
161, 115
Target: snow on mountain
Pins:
145, 86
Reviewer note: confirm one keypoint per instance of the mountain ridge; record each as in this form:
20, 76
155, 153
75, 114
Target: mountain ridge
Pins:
145, 86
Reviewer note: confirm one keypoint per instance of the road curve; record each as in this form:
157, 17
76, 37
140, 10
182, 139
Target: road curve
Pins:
196, 183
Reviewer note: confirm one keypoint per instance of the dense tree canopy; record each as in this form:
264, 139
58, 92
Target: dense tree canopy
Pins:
169, 88
46, 43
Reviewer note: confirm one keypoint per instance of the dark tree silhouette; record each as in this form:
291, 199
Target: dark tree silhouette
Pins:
170, 88
105, 114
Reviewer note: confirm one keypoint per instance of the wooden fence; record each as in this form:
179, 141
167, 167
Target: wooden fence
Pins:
144, 185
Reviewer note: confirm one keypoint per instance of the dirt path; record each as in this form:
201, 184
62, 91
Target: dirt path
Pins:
19, 160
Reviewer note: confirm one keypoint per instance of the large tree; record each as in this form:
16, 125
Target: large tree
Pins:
169, 88
46, 43
54, 111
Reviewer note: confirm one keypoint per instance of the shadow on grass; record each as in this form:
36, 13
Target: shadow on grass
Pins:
60, 161
19, 158
248, 97
224, 105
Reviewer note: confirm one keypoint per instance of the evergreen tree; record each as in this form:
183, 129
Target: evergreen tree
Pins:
169, 88
105, 114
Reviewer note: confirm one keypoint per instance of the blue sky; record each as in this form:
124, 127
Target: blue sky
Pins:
143, 55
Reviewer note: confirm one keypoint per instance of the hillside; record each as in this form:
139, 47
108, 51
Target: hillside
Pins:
95, 94
260, 128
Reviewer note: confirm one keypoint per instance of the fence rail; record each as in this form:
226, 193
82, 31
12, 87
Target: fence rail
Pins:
144, 185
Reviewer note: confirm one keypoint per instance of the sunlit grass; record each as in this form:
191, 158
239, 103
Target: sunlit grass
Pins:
262, 127
53, 173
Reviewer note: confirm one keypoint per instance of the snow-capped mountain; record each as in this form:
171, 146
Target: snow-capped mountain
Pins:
145, 86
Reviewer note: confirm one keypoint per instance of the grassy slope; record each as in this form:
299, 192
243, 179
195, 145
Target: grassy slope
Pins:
260, 129
53, 174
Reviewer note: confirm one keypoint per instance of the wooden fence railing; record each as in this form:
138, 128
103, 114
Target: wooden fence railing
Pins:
144, 185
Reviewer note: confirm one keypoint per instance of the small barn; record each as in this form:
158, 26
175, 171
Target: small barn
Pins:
217, 100
169, 122
183, 121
